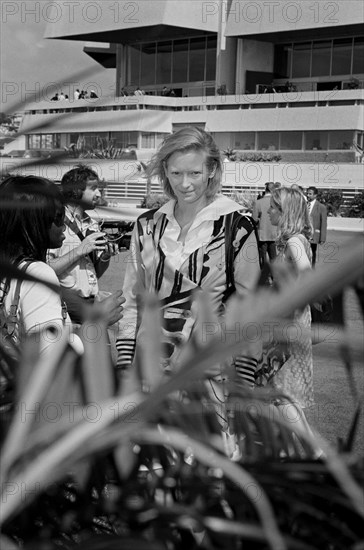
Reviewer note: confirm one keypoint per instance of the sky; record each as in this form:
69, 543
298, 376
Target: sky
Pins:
29, 63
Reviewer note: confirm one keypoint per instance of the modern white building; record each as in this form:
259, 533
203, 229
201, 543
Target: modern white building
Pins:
271, 77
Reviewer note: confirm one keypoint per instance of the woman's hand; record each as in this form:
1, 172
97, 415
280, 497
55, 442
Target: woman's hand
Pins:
111, 307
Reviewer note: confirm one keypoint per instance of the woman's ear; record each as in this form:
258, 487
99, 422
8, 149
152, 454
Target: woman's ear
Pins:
213, 171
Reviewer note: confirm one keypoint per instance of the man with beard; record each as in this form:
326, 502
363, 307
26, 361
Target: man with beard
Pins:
85, 253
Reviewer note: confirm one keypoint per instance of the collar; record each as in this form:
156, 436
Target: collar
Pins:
220, 206
76, 213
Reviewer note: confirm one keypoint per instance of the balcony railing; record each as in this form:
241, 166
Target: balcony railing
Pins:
279, 86
274, 99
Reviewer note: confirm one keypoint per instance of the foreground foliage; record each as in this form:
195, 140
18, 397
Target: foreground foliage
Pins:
85, 466
90, 466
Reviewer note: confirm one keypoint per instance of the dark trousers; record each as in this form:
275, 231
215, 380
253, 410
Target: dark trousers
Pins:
314, 253
267, 247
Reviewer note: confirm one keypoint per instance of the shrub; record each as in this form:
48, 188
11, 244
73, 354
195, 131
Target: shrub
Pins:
154, 200
104, 149
355, 208
332, 199
230, 154
259, 157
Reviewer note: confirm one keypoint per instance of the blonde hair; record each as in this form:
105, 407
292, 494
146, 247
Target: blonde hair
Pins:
189, 138
295, 217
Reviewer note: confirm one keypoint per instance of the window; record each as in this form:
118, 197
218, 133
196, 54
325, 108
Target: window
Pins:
262, 106
341, 139
180, 61
321, 58
316, 141
124, 139
164, 62
147, 64
358, 58
97, 140
172, 61
133, 65
148, 141
301, 60
268, 141
44, 141
197, 59
223, 139
299, 104
244, 141
282, 60
360, 139
34, 141
211, 58
341, 56
291, 141
159, 138
152, 140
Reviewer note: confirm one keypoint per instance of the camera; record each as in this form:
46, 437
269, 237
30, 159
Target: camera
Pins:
118, 232
124, 241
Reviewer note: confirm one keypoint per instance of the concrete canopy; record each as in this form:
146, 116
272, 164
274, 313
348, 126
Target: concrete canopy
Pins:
281, 20
124, 21
106, 56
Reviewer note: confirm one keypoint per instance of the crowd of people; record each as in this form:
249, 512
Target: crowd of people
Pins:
165, 92
267, 232
199, 241
77, 94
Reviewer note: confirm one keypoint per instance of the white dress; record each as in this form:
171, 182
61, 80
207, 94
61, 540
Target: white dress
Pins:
289, 369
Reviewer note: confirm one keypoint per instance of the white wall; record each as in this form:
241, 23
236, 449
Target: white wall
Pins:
259, 17
17, 143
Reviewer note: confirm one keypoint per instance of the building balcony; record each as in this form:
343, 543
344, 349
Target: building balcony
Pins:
326, 110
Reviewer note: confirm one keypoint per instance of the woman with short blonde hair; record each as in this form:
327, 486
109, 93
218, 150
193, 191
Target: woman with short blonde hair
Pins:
189, 138
182, 248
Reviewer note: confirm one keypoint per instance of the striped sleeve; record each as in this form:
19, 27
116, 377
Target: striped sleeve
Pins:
126, 349
133, 287
245, 368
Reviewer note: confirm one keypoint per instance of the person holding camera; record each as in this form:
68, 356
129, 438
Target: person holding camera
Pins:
85, 253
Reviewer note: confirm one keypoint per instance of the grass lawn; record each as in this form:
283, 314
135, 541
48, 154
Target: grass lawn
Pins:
334, 408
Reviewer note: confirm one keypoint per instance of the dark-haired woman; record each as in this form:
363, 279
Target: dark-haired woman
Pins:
31, 221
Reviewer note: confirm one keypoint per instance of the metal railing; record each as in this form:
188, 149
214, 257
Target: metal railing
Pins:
136, 191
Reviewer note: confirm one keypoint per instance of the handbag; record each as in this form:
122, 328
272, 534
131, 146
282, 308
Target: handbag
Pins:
9, 344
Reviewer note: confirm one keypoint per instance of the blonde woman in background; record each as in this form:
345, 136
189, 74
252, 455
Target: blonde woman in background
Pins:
289, 213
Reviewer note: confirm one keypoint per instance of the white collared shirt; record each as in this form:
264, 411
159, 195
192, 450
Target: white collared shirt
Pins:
199, 232
81, 277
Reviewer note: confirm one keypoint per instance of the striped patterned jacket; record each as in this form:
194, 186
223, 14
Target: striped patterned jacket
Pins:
158, 263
